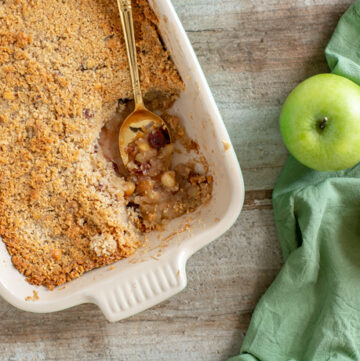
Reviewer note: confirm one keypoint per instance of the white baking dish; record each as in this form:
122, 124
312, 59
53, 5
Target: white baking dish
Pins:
157, 271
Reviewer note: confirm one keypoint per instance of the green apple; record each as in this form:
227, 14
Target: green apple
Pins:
320, 123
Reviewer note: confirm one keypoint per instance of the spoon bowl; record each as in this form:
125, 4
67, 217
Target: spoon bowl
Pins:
139, 123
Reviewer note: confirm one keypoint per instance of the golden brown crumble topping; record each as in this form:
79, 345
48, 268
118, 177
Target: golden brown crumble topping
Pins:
63, 76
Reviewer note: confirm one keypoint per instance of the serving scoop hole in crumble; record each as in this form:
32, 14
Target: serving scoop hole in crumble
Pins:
155, 190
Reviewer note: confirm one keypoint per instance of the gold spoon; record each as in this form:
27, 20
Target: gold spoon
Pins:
141, 118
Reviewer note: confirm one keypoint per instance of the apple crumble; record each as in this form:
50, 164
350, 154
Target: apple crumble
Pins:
66, 204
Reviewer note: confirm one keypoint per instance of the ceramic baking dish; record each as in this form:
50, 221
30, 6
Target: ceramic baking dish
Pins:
156, 271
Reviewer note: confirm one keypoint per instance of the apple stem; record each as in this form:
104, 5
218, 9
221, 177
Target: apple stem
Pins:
322, 125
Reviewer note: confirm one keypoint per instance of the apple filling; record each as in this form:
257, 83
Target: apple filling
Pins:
150, 152
155, 191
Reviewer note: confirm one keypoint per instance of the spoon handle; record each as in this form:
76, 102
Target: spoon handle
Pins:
128, 29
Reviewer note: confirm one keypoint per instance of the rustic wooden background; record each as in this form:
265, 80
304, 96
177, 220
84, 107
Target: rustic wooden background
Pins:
253, 53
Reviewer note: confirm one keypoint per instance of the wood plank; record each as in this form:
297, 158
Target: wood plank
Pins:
260, 199
253, 53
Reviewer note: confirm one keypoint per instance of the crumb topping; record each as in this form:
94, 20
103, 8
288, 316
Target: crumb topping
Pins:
63, 73
103, 244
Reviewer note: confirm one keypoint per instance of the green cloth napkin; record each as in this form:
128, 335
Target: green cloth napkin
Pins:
312, 310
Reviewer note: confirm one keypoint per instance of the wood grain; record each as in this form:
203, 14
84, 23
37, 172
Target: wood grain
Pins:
253, 53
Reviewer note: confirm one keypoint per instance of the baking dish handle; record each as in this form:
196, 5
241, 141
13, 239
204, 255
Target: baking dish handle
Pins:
148, 285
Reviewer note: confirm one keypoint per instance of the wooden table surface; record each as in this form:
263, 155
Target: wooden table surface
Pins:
253, 53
